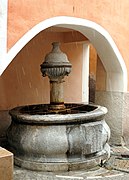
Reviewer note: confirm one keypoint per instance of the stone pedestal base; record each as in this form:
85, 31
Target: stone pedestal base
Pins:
85, 164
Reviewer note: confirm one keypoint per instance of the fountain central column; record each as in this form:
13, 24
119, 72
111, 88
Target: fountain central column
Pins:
56, 66
56, 95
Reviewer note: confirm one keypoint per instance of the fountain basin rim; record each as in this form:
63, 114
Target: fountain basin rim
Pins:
51, 119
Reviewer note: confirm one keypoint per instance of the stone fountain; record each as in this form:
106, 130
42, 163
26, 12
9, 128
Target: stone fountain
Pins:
58, 136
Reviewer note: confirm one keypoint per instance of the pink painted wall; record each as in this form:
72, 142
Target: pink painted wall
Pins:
22, 82
112, 15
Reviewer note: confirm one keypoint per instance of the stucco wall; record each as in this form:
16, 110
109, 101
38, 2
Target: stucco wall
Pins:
22, 82
113, 16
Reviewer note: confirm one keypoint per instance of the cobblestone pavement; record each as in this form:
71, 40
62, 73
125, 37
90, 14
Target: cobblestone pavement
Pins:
117, 168
100, 174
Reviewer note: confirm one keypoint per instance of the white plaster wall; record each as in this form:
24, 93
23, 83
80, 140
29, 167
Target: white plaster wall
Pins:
85, 73
3, 32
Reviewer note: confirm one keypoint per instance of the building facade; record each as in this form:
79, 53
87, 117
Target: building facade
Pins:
94, 35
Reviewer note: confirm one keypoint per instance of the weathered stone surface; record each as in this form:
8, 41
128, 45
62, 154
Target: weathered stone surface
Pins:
125, 119
74, 113
97, 173
114, 101
56, 66
59, 142
118, 114
58, 137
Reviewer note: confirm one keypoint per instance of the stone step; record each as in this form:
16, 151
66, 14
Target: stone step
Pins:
6, 164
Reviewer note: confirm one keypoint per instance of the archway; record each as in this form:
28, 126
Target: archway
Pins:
109, 55
99, 37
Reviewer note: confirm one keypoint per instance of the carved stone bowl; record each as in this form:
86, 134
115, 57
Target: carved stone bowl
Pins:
45, 140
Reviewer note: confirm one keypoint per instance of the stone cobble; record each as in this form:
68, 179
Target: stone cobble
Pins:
117, 168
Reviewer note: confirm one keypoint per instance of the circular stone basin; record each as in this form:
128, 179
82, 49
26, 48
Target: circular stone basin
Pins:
69, 139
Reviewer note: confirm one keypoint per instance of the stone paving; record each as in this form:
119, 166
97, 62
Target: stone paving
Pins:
117, 168
100, 173
119, 159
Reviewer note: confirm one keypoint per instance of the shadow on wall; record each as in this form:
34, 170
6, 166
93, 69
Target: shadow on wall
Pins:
5, 121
